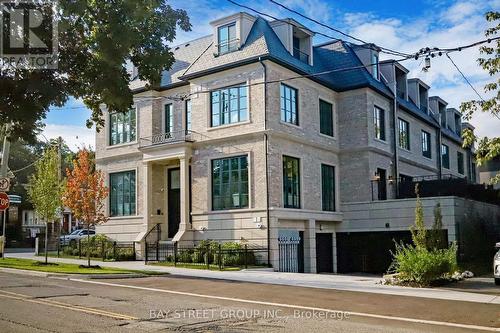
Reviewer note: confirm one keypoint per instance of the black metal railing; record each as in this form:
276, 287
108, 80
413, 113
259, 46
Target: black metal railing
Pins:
154, 234
298, 54
207, 254
166, 138
100, 248
447, 185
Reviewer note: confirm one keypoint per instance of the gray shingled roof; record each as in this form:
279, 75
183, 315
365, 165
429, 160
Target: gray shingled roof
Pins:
262, 41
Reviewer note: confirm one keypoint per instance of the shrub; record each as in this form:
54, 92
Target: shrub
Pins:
422, 267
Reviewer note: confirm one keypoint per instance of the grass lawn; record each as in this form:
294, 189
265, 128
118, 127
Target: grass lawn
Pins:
34, 265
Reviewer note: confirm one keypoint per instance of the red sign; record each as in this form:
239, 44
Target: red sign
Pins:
4, 201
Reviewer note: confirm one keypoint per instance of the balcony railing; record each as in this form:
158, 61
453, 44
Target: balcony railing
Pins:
447, 185
166, 138
304, 57
228, 46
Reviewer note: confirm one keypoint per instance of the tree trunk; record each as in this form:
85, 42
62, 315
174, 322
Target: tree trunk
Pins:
46, 241
88, 244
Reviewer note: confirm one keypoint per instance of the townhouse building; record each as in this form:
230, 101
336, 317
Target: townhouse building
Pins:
257, 135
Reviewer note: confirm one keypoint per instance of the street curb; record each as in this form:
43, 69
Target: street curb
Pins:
71, 276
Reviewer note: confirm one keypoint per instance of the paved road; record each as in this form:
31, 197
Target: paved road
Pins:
178, 303
368, 284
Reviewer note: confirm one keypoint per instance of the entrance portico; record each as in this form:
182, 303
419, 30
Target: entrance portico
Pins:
166, 184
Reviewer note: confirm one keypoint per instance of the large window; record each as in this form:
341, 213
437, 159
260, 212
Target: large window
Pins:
426, 144
445, 156
122, 127
328, 187
169, 118
122, 193
188, 115
229, 105
379, 123
289, 104
404, 134
230, 183
227, 41
325, 118
460, 162
291, 182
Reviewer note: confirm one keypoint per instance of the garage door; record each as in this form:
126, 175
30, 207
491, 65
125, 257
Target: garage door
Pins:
368, 252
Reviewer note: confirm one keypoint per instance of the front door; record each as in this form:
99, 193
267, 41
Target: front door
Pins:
324, 253
382, 184
174, 201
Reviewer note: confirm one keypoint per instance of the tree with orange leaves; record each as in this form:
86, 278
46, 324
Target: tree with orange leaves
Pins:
85, 192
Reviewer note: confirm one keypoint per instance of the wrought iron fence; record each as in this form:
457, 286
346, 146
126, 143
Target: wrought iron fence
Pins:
100, 248
207, 254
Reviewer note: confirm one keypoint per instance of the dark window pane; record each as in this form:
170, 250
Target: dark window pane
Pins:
289, 104
122, 193
230, 190
326, 118
328, 187
291, 182
379, 123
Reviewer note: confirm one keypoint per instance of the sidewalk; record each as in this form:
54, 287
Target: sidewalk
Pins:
337, 282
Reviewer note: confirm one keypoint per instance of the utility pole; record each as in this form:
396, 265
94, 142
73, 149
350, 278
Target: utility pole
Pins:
4, 167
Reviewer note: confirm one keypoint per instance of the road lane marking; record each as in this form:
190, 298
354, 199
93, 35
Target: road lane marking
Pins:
78, 308
293, 306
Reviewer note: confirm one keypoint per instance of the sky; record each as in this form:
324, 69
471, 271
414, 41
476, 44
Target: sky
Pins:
405, 26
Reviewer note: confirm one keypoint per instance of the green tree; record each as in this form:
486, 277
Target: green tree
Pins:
96, 39
418, 231
488, 148
45, 189
435, 237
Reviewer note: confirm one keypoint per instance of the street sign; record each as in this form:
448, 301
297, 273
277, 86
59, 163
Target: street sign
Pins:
4, 184
4, 201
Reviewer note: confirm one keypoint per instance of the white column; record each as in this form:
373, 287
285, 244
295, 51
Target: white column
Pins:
184, 175
146, 193
310, 246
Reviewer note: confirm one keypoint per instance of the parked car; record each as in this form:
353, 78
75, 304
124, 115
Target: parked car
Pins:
73, 237
496, 265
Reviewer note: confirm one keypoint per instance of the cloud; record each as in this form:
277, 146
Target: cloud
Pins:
461, 23
74, 136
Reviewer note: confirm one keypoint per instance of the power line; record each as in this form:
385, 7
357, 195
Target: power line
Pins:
465, 78
389, 51
367, 46
427, 50
469, 83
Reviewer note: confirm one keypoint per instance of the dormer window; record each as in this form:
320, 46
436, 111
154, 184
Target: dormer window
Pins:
458, 124
442, 112
226, 38
423, 99
374, 64
297, 53
301, 45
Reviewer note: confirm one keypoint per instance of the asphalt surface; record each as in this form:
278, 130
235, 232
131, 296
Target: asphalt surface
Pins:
174, 303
